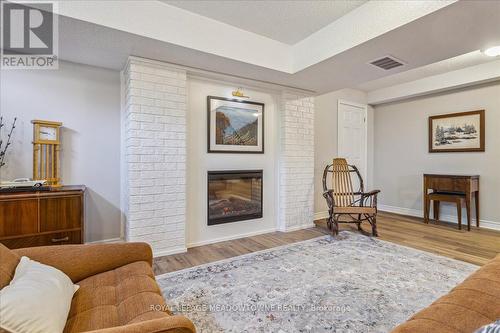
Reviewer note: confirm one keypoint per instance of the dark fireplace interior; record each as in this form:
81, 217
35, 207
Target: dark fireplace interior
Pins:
234, 196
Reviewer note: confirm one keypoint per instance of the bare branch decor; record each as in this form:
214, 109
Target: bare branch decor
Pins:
3, 148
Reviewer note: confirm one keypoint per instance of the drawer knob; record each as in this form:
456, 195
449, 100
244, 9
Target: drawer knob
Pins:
57, 240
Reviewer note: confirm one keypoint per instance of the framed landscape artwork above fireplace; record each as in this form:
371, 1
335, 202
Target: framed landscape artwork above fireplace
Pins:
235, 126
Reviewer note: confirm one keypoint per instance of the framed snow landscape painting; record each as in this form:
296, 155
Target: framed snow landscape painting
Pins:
457, 132
235, 126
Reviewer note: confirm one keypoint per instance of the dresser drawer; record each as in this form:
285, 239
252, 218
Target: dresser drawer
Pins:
58, 238
18, 217
447, 184
60, 213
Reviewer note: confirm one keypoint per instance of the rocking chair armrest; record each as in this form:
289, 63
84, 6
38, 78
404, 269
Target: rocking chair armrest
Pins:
330, 200
327, 193
371, 193
369, 198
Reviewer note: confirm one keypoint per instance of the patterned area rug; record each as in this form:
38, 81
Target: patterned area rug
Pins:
352, 283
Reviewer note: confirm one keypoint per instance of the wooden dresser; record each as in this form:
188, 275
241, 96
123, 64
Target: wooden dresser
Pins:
443, 186
42, 218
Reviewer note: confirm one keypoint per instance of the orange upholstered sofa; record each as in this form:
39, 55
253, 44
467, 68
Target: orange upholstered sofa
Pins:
118, 292
469, 306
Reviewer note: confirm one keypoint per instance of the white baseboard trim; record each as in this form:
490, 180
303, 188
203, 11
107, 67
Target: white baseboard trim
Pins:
402, 211
226, 238
155, 253
321, 215
107, 241
163, 253
248, 234
418, 213
298, 227
447, 218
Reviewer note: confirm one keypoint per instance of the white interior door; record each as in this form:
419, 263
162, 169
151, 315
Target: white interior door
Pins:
352, 134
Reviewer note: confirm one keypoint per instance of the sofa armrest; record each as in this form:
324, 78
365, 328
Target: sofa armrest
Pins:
82, 261
171, 324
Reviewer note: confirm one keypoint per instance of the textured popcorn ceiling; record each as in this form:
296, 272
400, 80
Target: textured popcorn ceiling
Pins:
286, 21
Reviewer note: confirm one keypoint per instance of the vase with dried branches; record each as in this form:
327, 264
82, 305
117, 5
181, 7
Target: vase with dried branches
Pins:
5, 145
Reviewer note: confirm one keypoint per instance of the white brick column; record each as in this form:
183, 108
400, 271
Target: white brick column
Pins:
154, 138
296, 182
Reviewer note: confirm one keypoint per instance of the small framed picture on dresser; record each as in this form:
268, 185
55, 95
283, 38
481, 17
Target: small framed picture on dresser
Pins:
457, 132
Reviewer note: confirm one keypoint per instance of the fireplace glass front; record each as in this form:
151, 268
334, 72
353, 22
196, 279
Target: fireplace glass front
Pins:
234, 196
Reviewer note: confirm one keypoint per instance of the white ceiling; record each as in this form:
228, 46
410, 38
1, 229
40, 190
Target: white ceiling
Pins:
104, 34
282, 20
181, 28
440, 67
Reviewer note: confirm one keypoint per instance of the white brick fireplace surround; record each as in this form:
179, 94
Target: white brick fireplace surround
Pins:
155, 143
296, 173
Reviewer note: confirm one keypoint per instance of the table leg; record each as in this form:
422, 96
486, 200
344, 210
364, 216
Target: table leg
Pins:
427, 207
459, 213
426, 217
468, 200
436, 211
476, 195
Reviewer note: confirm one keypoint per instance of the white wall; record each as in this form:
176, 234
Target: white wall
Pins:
401, 149
325, 139
199, 162
87, 100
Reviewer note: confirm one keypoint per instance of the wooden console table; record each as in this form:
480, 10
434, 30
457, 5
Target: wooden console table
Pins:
444, 187
42, 218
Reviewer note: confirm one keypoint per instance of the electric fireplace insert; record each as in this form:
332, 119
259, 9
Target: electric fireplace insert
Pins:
234, 196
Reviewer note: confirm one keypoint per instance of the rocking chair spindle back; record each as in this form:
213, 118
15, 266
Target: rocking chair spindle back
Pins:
343, 193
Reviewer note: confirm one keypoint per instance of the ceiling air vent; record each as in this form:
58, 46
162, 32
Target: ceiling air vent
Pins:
387, 62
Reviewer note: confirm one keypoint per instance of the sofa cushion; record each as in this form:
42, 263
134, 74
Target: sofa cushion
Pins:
118, 297
37, 299
9, 261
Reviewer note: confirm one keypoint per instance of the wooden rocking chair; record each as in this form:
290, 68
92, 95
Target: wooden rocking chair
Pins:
343, 202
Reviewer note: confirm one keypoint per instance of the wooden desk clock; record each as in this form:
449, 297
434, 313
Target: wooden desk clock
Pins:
46, 148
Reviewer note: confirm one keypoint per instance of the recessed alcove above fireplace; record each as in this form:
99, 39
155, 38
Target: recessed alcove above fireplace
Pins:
234, 196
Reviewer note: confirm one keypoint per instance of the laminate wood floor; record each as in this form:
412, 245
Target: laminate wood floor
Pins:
477, 246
